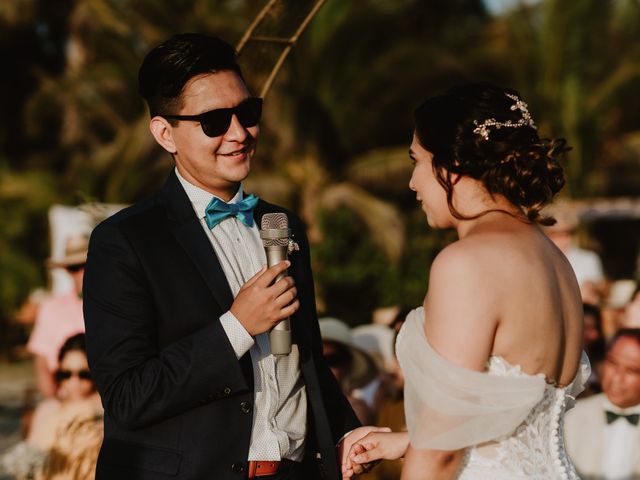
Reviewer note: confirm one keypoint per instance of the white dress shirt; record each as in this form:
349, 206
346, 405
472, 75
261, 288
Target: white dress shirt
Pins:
280, 399
620, 445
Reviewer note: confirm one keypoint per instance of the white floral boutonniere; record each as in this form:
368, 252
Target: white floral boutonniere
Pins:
292, 246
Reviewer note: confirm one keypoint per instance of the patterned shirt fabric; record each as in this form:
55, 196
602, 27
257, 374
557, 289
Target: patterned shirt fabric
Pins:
59, 318
280, 399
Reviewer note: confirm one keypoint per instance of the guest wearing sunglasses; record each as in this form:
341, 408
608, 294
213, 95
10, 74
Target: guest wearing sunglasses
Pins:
178, 303
59, 317
66, 430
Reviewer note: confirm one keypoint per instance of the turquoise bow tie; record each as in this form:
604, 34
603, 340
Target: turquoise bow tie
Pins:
217, 210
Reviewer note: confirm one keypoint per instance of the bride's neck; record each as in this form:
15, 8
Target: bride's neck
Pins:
490, 219
471, 199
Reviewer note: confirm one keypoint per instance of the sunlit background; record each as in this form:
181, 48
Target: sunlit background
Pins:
337, 122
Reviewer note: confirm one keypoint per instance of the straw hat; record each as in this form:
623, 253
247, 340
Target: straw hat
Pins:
363, 368
377, 341
620, 293
75, 252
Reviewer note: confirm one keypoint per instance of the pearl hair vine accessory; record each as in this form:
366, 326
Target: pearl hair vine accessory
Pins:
482, 129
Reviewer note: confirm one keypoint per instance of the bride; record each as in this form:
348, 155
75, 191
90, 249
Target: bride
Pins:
493, 358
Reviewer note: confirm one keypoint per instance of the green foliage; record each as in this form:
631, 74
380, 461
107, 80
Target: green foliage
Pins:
23, 210
337, 122
354, 275
578, 64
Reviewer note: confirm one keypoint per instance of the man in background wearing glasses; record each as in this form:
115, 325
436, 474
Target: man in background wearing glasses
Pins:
178, 305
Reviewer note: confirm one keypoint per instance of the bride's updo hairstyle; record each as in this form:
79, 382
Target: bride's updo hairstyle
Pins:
486, 132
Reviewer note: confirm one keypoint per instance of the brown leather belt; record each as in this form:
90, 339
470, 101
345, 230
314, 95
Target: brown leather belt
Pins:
259, 468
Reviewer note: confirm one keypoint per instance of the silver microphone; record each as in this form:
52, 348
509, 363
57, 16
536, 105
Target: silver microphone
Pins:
275, 235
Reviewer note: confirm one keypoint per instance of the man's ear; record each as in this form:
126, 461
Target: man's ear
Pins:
455, 178
162, 131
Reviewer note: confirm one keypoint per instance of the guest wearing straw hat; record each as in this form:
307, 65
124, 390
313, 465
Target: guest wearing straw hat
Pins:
352, 367
59, 317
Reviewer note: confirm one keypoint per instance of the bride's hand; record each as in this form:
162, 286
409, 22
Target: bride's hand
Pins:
374, 447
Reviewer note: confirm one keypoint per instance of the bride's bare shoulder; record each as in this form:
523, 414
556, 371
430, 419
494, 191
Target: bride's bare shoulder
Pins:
471, 255
460, 308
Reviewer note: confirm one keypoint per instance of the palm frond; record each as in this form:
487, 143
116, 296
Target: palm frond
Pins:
383, 220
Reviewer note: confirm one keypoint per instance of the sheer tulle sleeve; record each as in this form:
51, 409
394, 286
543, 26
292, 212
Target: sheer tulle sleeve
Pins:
578, 384
448, 407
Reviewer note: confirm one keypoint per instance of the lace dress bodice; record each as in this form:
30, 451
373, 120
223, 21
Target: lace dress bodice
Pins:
510, 422
535, 450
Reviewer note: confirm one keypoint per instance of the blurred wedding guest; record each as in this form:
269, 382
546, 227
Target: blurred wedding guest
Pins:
390, 413
397, 322
594, 346
602, 432
59, 317
352, 367
66, 430
631, 317
384, 315
377, 340
614, 308
586, 264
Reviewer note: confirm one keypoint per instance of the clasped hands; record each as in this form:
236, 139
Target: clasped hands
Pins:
263, 302
364, 447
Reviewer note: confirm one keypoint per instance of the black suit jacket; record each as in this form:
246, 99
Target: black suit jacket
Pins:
178, 403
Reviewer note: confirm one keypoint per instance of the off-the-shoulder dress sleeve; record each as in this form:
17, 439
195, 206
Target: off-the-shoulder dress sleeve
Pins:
448, 407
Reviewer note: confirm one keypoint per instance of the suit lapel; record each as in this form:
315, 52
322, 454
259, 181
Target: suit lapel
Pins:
188, 232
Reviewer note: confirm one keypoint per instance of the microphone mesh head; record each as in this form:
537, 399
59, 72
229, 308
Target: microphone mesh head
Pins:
275, 221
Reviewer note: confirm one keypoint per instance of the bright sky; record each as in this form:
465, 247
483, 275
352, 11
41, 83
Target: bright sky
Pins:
498, 6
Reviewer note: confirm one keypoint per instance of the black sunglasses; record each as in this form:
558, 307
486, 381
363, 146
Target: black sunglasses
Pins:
67, 374
216, 122
74, 268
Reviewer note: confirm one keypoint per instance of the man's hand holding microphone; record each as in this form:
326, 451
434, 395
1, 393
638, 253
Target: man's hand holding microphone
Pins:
262, 302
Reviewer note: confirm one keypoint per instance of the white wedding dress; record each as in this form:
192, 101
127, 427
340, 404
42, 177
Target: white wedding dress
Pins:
511, 421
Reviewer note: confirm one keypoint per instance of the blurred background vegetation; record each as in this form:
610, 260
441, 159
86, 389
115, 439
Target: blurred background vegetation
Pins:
337, 123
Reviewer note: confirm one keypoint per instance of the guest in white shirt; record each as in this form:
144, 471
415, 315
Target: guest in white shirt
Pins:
602, 432
586, 264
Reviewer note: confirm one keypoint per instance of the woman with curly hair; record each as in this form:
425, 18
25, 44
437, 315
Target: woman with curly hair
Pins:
493, 357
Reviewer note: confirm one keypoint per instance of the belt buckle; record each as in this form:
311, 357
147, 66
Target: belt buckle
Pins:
260, 468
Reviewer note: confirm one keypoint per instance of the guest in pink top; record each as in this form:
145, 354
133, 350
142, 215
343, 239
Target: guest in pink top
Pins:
59, 317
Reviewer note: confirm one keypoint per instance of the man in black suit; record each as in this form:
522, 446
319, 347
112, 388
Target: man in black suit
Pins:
178, 303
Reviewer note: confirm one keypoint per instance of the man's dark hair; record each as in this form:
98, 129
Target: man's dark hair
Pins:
632, 333
169, 66
596, 350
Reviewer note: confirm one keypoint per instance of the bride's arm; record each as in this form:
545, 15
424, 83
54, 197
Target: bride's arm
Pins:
439, 464
461, 311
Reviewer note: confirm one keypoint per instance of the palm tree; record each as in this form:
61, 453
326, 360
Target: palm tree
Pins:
343, 109
579, 63
347, 95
